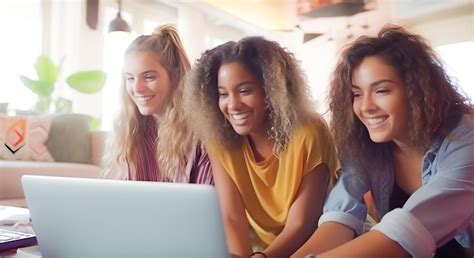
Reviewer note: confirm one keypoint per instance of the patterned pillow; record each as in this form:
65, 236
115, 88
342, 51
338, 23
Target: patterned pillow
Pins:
23, 138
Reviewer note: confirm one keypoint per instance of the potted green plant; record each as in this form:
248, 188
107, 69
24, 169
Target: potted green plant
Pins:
87, 82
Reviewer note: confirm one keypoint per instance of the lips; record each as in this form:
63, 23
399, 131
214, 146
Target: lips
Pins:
375, 121
240, 118
144, 99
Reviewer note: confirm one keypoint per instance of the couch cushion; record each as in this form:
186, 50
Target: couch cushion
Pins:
23, 138
69, 139
12, 171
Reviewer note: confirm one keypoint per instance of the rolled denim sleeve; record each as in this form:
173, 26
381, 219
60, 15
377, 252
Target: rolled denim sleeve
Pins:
345, 202
443, 207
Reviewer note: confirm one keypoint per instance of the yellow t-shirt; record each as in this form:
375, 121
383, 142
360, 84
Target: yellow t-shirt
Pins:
268, 188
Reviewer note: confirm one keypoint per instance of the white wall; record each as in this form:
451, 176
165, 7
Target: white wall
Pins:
201, 29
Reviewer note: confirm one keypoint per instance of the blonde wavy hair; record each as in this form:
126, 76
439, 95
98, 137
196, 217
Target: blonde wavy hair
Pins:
287, 97
175, 139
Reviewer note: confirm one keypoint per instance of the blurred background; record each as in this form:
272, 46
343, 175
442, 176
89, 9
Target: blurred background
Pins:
82, 35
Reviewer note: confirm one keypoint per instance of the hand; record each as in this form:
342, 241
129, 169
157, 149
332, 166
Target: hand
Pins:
258, 255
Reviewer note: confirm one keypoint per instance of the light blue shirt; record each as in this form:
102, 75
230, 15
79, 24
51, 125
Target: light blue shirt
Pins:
442, 208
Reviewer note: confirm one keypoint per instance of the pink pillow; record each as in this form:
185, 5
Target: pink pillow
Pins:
23, 138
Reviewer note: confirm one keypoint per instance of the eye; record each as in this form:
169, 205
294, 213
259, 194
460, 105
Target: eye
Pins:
223, 94
356, 94
150, 78
382, 91
245, 91
129, 78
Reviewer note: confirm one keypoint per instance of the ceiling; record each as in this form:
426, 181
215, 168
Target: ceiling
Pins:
335, 19
267, 14
286, 15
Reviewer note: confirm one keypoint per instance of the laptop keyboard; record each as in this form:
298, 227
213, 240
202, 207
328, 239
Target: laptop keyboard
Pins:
14, 239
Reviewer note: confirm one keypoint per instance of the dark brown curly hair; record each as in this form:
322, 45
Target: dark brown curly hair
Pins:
434, 102
287, 96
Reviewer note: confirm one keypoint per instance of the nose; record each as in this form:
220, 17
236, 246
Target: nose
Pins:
234, 102
138, 85
367, 104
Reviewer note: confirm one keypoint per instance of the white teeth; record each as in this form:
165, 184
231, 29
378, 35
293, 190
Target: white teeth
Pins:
375, 121
143, 98
240, 116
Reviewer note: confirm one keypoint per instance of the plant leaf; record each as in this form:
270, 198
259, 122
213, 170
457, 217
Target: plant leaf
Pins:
87, 82
46, 69
63, 105
43, 104
96, 123
41, 88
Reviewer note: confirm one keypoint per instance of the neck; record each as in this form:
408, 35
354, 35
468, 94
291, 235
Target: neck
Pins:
406, 149
156, 117
261, 145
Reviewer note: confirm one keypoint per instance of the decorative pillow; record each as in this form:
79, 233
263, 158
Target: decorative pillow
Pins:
23, 138
69, 139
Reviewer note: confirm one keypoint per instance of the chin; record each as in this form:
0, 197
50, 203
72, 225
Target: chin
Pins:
145, 112
241, 131
379, 139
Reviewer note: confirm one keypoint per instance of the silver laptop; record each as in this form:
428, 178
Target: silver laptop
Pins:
79, 218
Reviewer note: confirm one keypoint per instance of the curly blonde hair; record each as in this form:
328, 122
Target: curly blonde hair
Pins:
434, 102
130, 124
287, 95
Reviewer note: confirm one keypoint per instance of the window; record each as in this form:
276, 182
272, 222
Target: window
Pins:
19, 47
459, 60
114, 48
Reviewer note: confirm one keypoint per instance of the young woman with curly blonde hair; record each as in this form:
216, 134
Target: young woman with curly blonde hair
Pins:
272, 156
406, 134
150, 140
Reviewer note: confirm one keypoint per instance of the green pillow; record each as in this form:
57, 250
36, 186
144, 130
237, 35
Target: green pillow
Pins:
69, 139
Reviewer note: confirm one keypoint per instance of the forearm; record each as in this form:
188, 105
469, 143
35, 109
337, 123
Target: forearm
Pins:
328, 236
373, 244
238, 239
289, 240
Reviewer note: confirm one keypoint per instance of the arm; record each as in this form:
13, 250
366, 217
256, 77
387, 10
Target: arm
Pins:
448, 189
233, 212
303, 214
415, 229
328, 236
344, 214
370, 245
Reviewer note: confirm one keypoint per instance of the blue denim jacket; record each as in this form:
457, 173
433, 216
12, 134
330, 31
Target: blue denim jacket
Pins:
441, 209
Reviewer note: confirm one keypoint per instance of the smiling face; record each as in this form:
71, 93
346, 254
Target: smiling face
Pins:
380, 101
241, 99
147, 82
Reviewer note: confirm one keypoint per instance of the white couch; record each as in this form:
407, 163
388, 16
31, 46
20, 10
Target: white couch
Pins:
11, 171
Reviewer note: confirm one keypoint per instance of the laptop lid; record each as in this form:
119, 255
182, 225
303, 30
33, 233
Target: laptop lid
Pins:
78, 217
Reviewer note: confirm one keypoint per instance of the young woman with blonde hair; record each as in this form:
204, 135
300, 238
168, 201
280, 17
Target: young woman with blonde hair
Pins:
272, 156
150, 140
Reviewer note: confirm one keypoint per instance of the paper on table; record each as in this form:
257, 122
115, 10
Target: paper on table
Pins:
28, 252
11, 215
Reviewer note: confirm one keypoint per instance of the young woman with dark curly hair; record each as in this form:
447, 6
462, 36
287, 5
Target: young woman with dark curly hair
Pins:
406, 134
272, 156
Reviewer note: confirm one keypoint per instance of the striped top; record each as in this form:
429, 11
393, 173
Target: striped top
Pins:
197, 170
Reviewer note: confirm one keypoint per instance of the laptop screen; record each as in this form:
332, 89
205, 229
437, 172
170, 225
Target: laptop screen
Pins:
77, 217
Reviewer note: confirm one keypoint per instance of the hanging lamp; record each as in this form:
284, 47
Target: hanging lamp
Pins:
119, 24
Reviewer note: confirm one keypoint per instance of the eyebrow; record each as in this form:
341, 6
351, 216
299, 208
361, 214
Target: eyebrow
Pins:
147, 71
376, 83
238, 85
